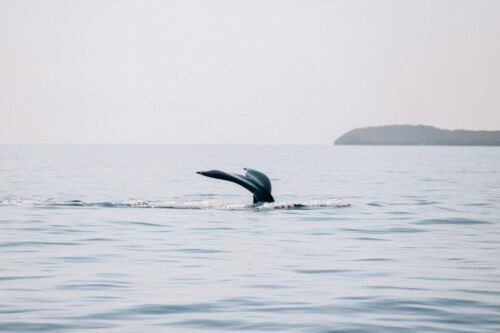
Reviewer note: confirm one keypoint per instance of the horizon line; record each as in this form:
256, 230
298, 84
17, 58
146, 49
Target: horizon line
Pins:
161, 144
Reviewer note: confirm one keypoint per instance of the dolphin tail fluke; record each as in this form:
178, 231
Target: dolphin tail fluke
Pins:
254, 181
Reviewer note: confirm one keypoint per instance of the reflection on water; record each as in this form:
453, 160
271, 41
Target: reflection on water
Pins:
417, 249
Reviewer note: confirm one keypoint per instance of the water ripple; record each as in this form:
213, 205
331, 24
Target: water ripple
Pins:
418, 250
458, 221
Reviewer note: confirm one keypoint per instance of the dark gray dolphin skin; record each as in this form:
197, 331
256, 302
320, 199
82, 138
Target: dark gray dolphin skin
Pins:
254, 181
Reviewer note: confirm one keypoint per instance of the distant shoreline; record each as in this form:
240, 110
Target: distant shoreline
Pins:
417, 135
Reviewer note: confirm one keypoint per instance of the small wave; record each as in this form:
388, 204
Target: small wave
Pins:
178, 204
458, 220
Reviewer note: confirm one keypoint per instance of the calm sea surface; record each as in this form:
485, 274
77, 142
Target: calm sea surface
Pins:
129, 239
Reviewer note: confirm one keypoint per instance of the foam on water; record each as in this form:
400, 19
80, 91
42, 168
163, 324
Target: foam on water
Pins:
178, 204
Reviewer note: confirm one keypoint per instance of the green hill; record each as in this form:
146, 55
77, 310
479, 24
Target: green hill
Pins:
418, 135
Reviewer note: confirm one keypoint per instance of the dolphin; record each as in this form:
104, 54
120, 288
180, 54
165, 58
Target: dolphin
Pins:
253, 180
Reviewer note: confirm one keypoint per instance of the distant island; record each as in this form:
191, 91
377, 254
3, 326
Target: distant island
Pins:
418, 135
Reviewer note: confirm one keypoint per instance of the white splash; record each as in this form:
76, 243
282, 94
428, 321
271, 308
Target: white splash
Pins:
325, 203
179, 204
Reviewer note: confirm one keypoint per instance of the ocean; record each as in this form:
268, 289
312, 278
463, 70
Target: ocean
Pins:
128, 238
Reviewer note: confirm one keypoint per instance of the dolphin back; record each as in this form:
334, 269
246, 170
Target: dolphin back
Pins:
254, 181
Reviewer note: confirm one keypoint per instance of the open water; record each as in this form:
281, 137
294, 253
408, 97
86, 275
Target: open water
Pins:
129, 238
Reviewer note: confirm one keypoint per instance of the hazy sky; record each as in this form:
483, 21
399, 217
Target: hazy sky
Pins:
265, 72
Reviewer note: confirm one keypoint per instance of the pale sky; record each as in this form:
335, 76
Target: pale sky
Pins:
243, 72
